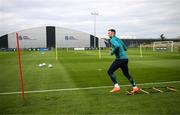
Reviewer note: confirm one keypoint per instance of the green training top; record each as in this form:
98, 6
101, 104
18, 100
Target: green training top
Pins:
118, 48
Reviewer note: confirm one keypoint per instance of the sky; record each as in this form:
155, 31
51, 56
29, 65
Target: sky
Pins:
140, 18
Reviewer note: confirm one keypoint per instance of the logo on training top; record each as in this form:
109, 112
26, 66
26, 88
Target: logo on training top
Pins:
70, 38
25, 38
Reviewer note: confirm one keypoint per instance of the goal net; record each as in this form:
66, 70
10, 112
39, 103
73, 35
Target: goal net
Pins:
163, 46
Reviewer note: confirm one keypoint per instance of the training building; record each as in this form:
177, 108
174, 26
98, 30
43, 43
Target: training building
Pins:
51, 36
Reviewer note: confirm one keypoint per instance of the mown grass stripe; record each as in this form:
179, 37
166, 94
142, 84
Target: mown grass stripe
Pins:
85, 88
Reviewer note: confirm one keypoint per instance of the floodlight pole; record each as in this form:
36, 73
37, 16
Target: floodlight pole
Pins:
20, 65
96, 14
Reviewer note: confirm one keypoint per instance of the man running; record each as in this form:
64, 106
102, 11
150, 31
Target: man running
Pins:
121, 61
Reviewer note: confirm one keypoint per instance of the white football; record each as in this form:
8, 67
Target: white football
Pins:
43, 64
40, 65
50, 66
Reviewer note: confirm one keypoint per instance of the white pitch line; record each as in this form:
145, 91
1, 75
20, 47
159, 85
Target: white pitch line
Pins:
76, 89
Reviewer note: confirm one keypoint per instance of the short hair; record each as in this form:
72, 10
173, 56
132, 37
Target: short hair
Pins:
112, 30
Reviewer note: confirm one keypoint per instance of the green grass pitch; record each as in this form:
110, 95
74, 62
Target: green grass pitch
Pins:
81, 69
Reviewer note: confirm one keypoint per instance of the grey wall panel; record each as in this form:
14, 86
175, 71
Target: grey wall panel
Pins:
71, 38
102, 44
29, 38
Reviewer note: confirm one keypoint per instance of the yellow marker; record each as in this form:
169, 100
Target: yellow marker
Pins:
56, 53
141, 50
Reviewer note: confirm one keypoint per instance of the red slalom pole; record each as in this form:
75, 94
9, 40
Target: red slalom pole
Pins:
20, 65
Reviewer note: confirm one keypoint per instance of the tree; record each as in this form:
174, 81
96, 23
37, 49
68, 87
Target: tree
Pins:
162, 37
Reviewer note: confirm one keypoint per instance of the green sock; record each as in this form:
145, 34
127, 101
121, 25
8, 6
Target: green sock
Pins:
132, 82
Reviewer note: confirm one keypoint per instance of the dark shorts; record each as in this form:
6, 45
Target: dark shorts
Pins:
119, 63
